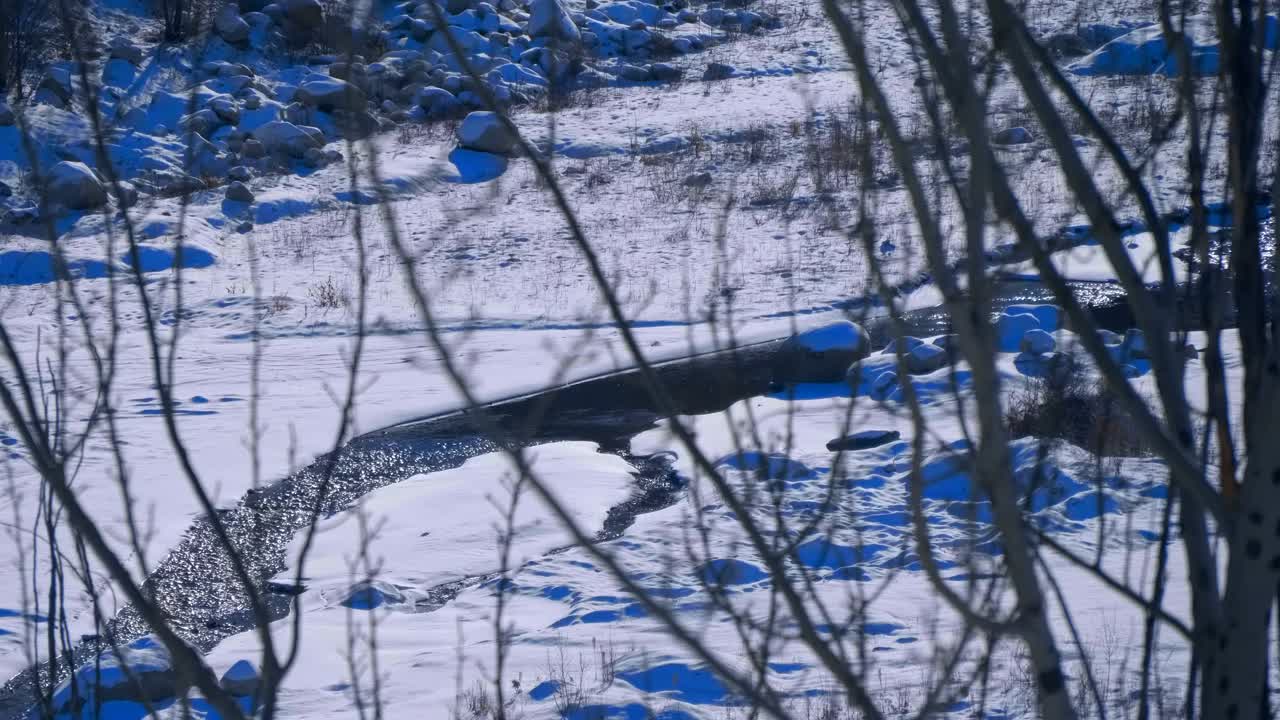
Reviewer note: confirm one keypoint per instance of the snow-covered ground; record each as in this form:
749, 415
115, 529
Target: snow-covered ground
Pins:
650, 166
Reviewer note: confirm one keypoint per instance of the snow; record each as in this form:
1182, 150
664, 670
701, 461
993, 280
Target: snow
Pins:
433, 529
514, 299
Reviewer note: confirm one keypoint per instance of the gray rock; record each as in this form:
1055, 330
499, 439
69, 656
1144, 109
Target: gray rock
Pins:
664, 72
821, 354
74, 186
306, 14
5, 190
718, 71
226, 108
697, 181
437, 102
139, 672
634, 73
1037, 342
239, 192
55, 88
253, 149
550, 19
924, 358
240, 173
285, 138
331, 94
229, 26
1013, 136
863, 440
484, 131
7, 116
122, 49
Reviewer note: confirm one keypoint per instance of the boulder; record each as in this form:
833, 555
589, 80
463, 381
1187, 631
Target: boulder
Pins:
331, 94
7, 117
484, 131
240, 172
1013, 136
909, 343
55, 88
122, 49
549, 19
864, 439
226, 108
718, 71
305, 14
1037, 342
665, 72
239, 192
5, 190
821, 354
229, 26
241, 679
635, 73
924, 358
280, 137
437, 102
697, 181
140, 672
74, 186
1010, 327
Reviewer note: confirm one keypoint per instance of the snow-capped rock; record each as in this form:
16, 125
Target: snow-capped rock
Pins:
280, 137
241, 679
1010, 327
1013, 136
239, 192
74, 186
229, 26
718, 71
925, 358
483, 130
139, 672
1037, 342
437, 102
121, 49
549, 19
330, 94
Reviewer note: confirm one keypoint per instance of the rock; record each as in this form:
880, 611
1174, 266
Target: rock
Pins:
331, 94
253, 149
7, 116
821, 354
884, 385
122, 49
306, 14
74, 186
240, 173
909, 343
55, 88
140, 672
241, 679
226, 108
697, 181
1134, 345
237, 191
128, 194
229, 26
863, 440
484, 131
1037, 342
549, 19
718, 71
665, 72
279, 137
634, 73
437, 102
1013, 136
205, 160
1010, 327
117, 73
372, 594
923, 359
5, 190
713, 16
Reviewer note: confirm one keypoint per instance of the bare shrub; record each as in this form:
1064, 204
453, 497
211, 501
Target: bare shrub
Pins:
1079, 412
